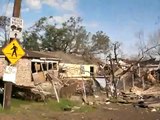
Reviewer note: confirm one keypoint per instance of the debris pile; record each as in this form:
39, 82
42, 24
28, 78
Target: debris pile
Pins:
125, 86
138, 97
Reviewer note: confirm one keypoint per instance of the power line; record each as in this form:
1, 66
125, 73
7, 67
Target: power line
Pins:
4, 5
7, 7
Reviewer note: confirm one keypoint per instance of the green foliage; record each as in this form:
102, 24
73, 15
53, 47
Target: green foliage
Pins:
21, 106
15, 105
18, 102
70, 37
100, 42
63, 104
68, 104
31, 41
76, 35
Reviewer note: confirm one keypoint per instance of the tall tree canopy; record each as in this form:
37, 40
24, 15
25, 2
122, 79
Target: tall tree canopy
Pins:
70, 37
100, 42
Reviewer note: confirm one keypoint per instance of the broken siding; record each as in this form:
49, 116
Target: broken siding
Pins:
41, 67
77, 70
89, 69
46, 66
53, 67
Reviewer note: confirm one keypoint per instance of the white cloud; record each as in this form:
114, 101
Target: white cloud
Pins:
69, 5
62, 4
34, 4
60, 19
53, 3
56, 19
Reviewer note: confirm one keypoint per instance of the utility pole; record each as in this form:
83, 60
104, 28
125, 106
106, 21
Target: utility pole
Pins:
17, 8
8, 85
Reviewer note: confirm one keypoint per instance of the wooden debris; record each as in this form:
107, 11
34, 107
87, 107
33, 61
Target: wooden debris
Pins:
154, 105
68, 91
38, 78
27, 93
141, 104
137, 90
53, 84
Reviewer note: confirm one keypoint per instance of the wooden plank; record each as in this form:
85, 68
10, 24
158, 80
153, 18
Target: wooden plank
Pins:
38, 77
132, 80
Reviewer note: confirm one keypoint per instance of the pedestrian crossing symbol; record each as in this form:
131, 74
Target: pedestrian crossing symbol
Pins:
13, 51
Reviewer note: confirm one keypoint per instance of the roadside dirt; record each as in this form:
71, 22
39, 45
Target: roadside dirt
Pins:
102, 112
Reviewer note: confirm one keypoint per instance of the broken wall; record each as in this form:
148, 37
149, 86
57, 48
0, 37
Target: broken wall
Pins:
3, 64
77, 70
23, 76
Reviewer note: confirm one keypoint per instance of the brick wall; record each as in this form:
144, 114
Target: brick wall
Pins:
23, 76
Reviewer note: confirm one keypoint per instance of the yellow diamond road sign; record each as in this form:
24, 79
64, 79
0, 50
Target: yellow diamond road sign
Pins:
13, 51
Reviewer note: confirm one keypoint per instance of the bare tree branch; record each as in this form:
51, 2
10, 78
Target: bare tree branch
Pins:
125, 71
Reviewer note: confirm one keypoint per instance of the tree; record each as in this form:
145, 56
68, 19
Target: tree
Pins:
100, 43
71, 37
141, 44
113, 66
30, 41
4, 23
151, 48
76, 36
32, 38
154, 40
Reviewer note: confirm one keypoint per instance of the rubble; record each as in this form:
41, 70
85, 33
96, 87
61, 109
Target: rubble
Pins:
132, 87
27, 93
136, 90
149, 98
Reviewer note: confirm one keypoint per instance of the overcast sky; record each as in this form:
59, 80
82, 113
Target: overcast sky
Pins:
121, 20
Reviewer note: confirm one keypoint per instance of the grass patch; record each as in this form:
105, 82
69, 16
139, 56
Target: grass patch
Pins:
65, 104
113, 99
15, 106
86, 108
18, 102
21, 106
62, 105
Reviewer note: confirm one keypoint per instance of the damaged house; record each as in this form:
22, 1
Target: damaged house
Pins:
74, 72
74, 66
31, 69
152, 69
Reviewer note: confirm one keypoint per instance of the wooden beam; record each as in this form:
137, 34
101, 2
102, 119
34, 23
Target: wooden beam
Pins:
8, 85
